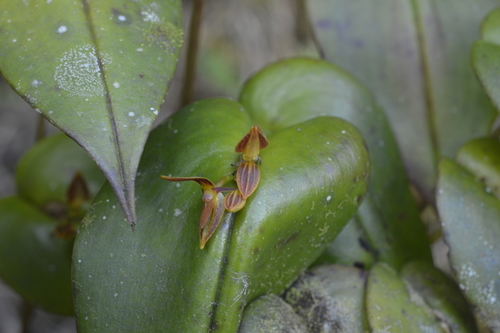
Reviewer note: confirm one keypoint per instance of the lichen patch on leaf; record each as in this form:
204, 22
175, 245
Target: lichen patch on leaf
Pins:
79, 73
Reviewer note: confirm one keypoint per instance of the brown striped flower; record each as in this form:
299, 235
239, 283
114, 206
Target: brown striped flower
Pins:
213, 204
248, 173
252, 144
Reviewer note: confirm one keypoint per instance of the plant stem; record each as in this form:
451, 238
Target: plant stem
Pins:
192, 52
40, 128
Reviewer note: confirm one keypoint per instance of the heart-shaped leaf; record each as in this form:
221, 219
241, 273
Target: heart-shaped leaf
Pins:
96, 69
313, 176
414, 58
292, 91
470, 219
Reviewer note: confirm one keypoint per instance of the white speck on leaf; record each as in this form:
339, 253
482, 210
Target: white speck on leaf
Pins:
35, 83
131, 114
149, 13
177, 212
116, 85
122, 18
62, 29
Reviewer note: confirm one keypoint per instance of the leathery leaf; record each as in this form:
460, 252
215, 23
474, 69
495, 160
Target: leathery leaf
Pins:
313, 176
96, 69
294, 90
470, 218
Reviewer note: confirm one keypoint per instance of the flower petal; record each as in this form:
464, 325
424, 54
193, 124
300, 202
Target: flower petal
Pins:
252, 143
218, 212
234, 202
247, 178
204, 182
206, 213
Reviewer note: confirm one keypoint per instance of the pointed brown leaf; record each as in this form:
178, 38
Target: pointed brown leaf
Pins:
78, 192
247, 178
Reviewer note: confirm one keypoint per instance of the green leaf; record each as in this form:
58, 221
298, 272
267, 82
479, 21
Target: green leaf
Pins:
413, 55
45, 172
148, 280
312, 180
470, 219
441, 294
292, 91
270, 313
35, 263
394, 308
330, 298
482, 158
485, 56
96, 69
351, 247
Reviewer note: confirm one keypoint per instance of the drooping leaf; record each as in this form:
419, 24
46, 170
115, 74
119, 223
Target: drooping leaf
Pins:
413, 55
148, 280
270, 313
96, 69
292, 91
392, 307
441, 294
470, 218
330, 298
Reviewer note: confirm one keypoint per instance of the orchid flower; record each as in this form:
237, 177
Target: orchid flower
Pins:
213, 204
248, 173
247, 178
